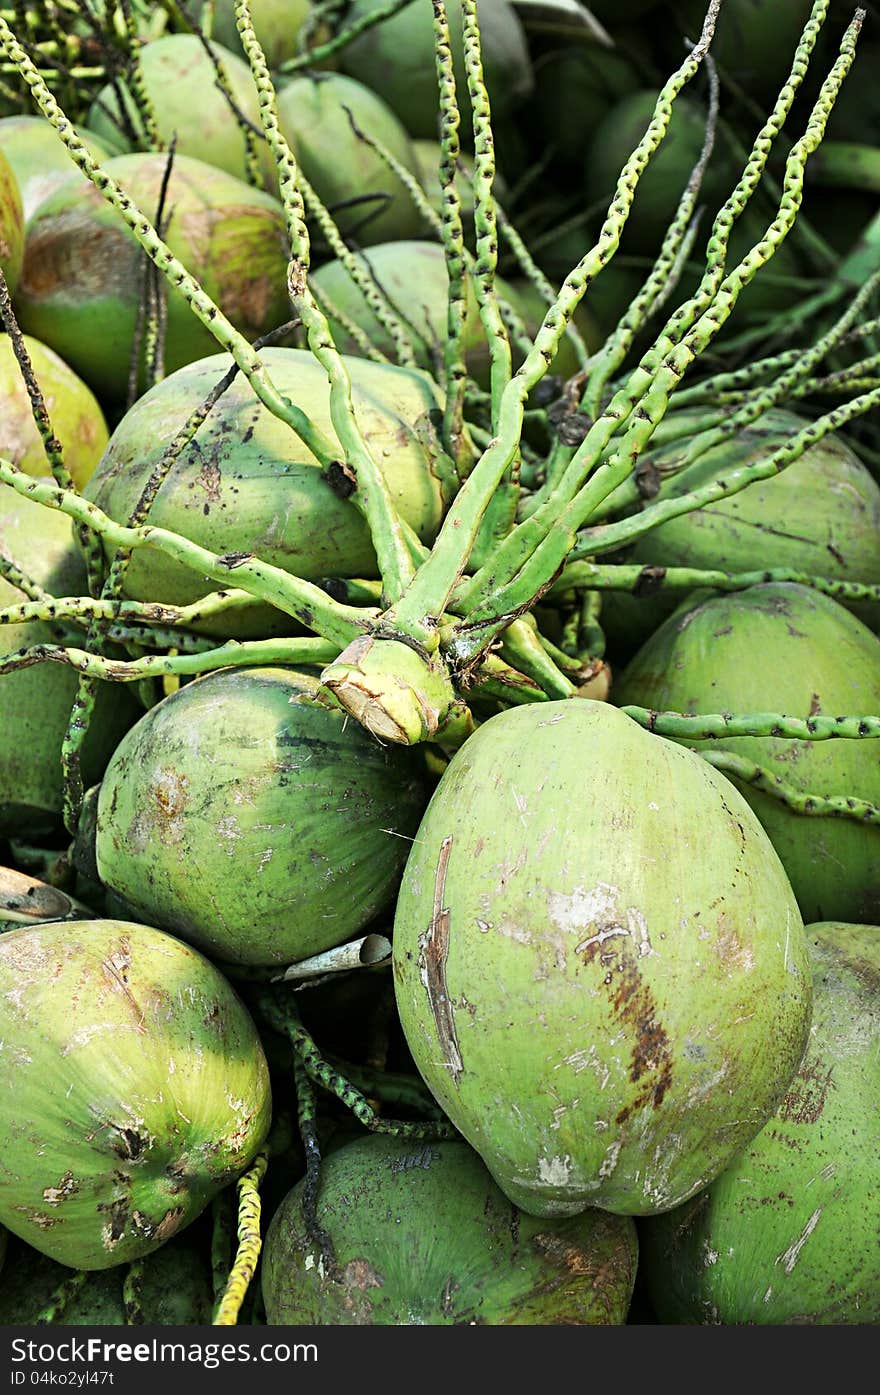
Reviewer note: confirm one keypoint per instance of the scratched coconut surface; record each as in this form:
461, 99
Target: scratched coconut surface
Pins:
439, 461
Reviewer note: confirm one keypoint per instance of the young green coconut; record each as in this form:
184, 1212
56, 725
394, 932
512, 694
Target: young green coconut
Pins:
82, 271
38, 159
599, 964
11, 225
35, 703
783, 648
244, 783
247, 484
422, 1235
75, 413
788, 1233
136, 1089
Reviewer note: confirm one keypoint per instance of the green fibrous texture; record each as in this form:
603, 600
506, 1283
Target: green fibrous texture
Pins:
313, 114
35, 702
174, 1288
782, 648
789, 1232
254, 822
820, 515
75, 414
181, 83
136, 1089
247, 483
396, 58
82, 273
422, 1235
599, 964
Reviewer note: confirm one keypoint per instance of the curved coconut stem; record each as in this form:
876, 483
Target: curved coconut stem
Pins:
618, 344
396, 565
135, 81
132, 1293
306, 602
610, 536
306, 1111
250, 1242
12, 573
641, 580
210, 315
313, 56
80, 610
233, 654
642, 400
708, 726
55, 1309
550, 535
811, 805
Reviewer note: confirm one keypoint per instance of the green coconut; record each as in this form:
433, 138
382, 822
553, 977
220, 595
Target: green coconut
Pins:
82, 270
599, 964
277, 25
788, 1233
40, 161
820, 516
574, 88
136, 1089
313, 114
782, 648
662, 183
423, 1236
396, 58
11, 225
181, 81
172, 1287
74, 411
35, 703
252, 820
248, 484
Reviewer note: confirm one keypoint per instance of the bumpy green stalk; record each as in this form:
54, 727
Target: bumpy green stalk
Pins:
503, 590
307, 1112
132, 1293
251, 155
135, 80
343, 38
250, 1242
708, 726
12, 573
307, 603
647, 581
80, 610
363, 343
429, 593
324, 450
57, 1306
389, 538
812, 805
232, 654
609, 536
535, 276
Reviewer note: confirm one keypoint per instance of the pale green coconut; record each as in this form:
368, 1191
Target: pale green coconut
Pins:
74, 411
136, 1089
82, 272
599, 964
181, 82
782, 648
11, 225
40, 160
250, 819
423, 1236
789, 1232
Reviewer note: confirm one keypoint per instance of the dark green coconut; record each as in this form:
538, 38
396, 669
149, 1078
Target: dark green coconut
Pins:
181, 81
574, 88
11, 225
82, 268
248, 818
422, 1235
754, 41
35, 703
40, 160
313, 114
136, 1089
248, 484
396, 58
171, 1287
782, 648
599, 964
789, 1232
820, 516
74, 411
